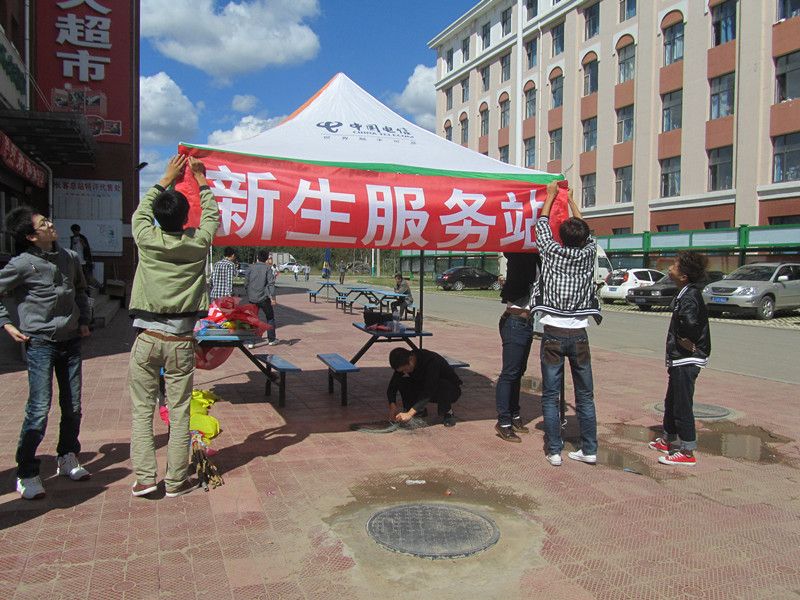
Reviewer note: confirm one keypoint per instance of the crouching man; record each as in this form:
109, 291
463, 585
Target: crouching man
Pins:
422, 376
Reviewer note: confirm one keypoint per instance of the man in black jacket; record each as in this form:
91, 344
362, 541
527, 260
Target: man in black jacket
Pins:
422, 376
688, 349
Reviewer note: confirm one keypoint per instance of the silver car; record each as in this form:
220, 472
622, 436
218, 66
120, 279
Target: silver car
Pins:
757, 288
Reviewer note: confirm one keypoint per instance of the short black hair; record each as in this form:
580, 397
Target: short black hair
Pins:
574, 232
228, 251
692, 264
399, 357
396, 275
262, 256
171, 210
19, 223
75, 228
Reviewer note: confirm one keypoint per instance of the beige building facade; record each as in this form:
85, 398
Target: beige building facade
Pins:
664, 115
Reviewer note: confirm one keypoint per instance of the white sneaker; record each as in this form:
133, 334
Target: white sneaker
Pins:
250, 345
30, 488
580, 456
272, 343
68, 466
554, 459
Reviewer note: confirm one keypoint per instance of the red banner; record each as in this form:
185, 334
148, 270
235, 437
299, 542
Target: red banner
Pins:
19, 162
267, 202
84, 62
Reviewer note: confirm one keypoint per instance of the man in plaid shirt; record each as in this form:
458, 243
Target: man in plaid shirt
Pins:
565, 294
224, 272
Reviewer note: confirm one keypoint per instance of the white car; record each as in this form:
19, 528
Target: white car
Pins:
621, 280
287, 266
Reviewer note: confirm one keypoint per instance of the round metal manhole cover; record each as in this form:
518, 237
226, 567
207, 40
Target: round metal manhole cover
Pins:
704, 411
432, 530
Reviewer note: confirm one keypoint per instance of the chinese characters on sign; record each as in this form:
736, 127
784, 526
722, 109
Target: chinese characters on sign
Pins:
16, 160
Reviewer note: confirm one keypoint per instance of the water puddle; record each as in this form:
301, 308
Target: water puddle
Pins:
739, 442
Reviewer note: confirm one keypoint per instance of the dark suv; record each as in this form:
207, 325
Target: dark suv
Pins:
662, 292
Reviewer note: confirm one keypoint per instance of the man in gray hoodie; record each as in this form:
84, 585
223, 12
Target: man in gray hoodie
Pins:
48, 285
260, 290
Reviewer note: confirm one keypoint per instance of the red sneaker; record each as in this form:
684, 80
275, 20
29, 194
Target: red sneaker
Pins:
660, 444
678, 458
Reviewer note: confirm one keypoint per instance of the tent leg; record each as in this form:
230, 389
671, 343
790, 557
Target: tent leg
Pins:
420, 312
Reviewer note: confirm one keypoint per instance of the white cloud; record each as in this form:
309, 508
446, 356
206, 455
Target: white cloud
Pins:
418, 98
156, 163
244, 104
244, 129
239, 38
166, 115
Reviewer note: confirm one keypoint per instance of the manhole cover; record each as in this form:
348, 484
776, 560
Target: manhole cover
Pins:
704, 411
432, 530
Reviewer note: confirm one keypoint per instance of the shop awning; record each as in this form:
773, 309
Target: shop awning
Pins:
54, 138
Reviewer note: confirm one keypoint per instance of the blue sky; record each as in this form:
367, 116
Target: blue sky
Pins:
213, 72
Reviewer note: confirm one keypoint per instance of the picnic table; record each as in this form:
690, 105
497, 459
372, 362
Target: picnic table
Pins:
327, 285
378, 336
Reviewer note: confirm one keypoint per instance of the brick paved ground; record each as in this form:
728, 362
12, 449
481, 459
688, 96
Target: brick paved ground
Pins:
300, 485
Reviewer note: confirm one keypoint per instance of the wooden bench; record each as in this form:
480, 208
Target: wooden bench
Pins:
282, 366
455, 363
338, 368
312, 295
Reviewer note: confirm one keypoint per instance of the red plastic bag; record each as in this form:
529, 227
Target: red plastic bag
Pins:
221, 310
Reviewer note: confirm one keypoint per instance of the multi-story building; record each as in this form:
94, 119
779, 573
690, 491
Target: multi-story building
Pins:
665, 115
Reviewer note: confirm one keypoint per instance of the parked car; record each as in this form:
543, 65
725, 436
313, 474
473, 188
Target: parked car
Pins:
243, 269
287, 266
757, 288
620, 281
662, 292
459, 278
359, 268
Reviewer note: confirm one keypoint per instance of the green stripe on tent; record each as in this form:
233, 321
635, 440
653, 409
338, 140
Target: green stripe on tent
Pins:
540, 179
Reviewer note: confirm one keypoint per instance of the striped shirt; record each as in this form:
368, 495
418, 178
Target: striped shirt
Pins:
222, 279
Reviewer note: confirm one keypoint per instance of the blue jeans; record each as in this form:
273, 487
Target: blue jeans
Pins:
516, 334
45, 358
557, 344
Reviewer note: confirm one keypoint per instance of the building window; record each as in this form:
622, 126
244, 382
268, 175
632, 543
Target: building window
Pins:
588, 184
465, 50
723, 22
448, 98
484, 122
532, 52
530, 152
448, 133
668, 227
785, 220
718, 224
786, 158
788, 9
486, 35
722, 96
505, 67
720, 168
530, 103
505, 21
555, 144
504, 154
465, 90
590, 134
590, 78
621, 230
448, 60
558, 39
557, 91
532, 8
592, 17
787, 72
623, 184
625, 124
627, 62
672, 108
485, 78
505, 113
627, 10
671, 177
465, 131
673, 44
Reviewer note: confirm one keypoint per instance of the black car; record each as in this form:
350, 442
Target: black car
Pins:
662, 292
459, 278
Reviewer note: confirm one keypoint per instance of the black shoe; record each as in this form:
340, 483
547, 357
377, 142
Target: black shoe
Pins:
449, 420
507, 433
516, 424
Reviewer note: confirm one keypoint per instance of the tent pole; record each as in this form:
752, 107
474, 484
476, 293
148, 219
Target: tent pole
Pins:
421, 291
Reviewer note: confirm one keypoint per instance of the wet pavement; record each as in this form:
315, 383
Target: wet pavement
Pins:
303, 481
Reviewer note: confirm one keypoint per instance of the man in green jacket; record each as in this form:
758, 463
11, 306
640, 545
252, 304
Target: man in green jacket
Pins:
169, 295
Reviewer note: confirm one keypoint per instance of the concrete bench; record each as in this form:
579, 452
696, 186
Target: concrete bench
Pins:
338, 368
312, 295
281, 366
455, 363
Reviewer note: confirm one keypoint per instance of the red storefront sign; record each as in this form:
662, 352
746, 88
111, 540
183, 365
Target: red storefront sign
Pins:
83, 62
19, 162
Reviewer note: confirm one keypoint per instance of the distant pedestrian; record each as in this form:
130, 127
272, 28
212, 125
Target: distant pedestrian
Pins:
307, 270
342, 271
565, 293
224, 272
688, 349
260, 290
50, 291
295, 271
80, 245
422, 376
